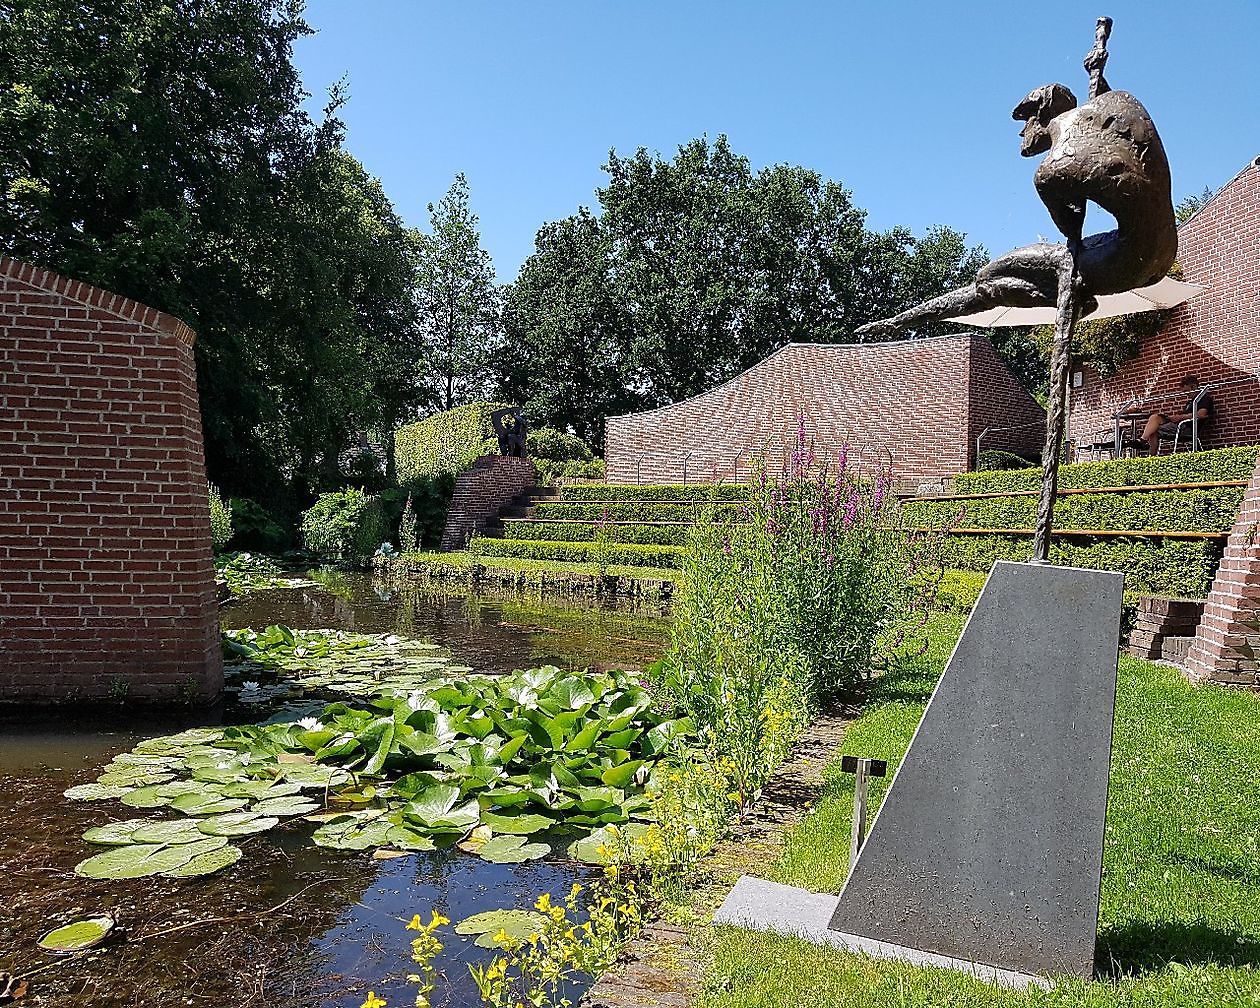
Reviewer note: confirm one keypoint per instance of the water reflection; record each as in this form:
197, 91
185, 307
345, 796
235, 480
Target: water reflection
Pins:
291, 924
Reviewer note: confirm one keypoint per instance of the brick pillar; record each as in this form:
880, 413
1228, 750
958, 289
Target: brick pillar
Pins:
480, 493
1227, 643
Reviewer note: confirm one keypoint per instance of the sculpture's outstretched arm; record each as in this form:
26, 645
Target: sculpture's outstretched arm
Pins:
1096, 59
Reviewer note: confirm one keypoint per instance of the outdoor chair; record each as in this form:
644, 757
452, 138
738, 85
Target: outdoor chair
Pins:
1191, 434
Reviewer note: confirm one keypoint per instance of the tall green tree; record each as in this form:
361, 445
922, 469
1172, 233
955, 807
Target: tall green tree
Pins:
458, 302
159, 148
696, 268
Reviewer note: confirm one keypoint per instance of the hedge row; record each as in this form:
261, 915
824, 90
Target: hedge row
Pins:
1208, 510
657, 535
623, 555
654, 492
447, 442
1188, 467
1179, 567
593, 511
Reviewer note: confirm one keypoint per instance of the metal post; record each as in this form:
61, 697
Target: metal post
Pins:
979, 437
859, 810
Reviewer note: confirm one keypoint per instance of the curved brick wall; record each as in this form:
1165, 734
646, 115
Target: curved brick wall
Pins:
105, 555
917, 403
1215, 335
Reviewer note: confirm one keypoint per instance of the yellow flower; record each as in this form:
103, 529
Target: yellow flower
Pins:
437, 921
373, 1001
415, 924
543, 903
500, 937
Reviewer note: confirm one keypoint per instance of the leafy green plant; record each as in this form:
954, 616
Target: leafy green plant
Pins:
220, 519
550, 472
242, 573
344, 525
654, 492
445, 443
556, 446
994, 459
478, 762
1217, 465
599, 530
624, 554
254, 529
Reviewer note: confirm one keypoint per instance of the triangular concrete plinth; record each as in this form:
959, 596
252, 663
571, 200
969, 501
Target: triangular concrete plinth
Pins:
987, 850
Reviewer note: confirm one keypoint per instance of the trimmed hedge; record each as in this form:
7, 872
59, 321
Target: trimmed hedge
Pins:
550, 471
593, 511
656, 535
624, 555
959, 590
1179, 567
1188, 467
447, 442
1208, 510
654, 492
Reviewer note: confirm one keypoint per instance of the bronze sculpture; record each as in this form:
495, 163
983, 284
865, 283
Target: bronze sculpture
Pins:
1106, 151
511, 429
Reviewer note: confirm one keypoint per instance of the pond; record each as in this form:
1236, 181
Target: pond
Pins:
290, 923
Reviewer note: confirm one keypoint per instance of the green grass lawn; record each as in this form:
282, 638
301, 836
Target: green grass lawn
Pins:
1180, 905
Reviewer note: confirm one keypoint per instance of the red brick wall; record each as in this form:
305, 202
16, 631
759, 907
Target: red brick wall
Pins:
480, 492
916, 404
105, 565
1215, 335
1228, 638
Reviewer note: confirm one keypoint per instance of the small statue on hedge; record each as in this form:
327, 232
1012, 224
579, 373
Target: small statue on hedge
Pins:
510, 427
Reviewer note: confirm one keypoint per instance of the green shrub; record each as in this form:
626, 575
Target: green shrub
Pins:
655, 492
1215, 466
220, 519
652, 511
344, 525
423, 504
556, 446
1207, 510
524, 528
447, 442
1180, 567
625, 555
551, 473
995, 459
253, 528
958, 590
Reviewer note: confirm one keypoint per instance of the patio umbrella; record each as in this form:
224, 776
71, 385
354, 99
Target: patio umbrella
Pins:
1168, 293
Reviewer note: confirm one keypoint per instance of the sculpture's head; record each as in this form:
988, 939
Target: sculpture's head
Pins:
1037, 110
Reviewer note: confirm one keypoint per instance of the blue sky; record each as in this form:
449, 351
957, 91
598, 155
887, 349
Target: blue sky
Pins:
906, 103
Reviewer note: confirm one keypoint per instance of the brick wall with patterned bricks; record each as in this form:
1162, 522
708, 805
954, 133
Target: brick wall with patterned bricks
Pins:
105, 551
480, 493
1227, 641
916, 405
1215, 335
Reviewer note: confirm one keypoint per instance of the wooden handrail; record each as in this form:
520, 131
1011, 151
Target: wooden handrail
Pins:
1130, 533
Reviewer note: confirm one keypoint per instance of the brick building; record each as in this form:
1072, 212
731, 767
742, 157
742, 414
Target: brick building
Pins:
1215, 335
105, 555
916, 404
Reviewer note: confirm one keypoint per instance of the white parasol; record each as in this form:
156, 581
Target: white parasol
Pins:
1168, 293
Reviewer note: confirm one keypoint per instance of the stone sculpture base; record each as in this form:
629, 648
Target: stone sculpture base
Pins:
986, 854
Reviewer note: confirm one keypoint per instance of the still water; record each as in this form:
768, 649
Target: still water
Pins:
291, 924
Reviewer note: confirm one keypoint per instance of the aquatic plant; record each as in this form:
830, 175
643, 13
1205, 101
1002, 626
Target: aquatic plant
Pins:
243, 573
509, 768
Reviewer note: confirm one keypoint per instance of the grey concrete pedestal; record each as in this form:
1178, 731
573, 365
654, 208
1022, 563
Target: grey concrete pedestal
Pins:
987, 851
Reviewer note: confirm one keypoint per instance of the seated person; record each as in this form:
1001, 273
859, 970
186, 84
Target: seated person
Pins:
1165, 424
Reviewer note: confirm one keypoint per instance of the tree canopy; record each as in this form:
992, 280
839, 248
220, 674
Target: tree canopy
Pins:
159, 148
694, 269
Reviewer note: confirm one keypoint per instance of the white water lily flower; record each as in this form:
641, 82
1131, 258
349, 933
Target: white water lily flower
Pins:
311, 724
250, 685
414, 699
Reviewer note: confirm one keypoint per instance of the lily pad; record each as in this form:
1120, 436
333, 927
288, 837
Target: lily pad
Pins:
292, 805
511, 850
517, 924
96, 792
198, 804
171, 831
139, 860
78, 936
115, 834
204, 864
237, 824
517, 825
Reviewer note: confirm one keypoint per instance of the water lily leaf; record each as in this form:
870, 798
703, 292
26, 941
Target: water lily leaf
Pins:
171, 831
511, 850
196, 803
78, 936
409, 839
96, 792
134, 777
516, 924
433, 802
572, 693
621, 775
158, 795
237, 824
517, 825
204, 864
115, 834
597, 849
292, 805
585, 738
261, 789
139, 860
510, 748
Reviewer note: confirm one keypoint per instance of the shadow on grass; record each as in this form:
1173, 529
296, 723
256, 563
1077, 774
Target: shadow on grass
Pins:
1141, 947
